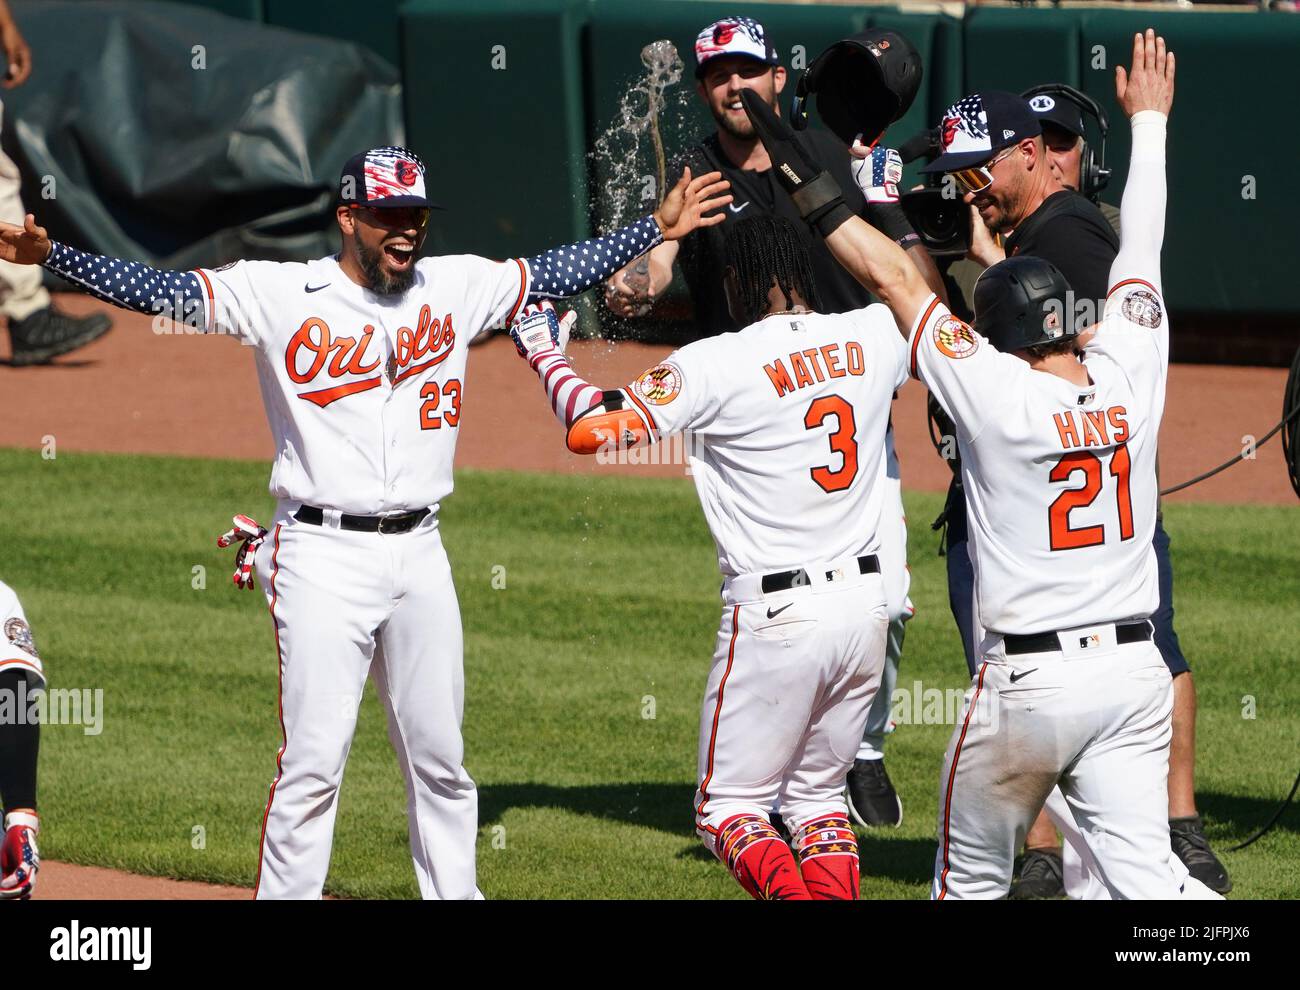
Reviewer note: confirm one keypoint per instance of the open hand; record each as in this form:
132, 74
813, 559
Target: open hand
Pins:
630, 292
25, 245
984, 249
18, 55
1149, 84
690, 202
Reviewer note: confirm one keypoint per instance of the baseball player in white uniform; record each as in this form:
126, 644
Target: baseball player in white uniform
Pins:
787, 420
361, 358
1058, 459
21, 672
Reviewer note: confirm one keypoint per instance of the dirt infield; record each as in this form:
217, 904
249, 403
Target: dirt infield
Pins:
68, 882
136, 391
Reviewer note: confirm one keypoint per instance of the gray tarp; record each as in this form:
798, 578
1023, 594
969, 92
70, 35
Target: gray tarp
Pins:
150, 157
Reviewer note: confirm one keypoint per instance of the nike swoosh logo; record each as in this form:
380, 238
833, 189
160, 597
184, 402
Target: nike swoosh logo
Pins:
736, 209
315, 288
772, 615
1022, 673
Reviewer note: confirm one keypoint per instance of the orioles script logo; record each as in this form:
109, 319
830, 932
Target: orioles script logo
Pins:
314, 353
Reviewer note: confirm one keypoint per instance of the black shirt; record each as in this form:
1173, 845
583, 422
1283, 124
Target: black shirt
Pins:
1072, 233
701, 252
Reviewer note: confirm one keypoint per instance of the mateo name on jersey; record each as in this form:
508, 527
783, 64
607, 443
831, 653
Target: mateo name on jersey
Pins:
1084, 428
828, 356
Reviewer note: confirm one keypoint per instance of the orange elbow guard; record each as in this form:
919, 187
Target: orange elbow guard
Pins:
603, 429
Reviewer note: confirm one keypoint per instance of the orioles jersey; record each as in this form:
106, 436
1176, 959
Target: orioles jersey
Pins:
1060, 479
786, 422
362, 391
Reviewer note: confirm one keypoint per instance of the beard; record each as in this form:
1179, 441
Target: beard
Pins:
381, 282
743, 128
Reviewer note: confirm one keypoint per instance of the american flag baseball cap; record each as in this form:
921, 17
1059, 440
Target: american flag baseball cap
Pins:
383, 177
977, 127
734, 36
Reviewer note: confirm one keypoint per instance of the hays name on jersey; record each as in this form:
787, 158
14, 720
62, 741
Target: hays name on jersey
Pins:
315, 354
1083, 428
828, 357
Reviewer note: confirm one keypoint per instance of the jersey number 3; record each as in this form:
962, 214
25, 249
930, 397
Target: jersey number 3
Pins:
844, 441
1063, 535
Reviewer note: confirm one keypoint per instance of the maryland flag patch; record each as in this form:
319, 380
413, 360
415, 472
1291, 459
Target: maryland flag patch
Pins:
954, 338
660, 385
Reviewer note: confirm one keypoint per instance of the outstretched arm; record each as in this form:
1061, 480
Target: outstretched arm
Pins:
574, 268
883, 267
871, 257
128, 284
1146, 94
594, 419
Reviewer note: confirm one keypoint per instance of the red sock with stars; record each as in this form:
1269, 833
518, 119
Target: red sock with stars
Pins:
828, 858
760, 859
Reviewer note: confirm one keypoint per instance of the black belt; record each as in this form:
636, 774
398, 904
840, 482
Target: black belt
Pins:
783, 580
402, 522
1050, 642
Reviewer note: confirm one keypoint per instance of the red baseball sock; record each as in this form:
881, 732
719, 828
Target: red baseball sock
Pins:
760, 859
828, 858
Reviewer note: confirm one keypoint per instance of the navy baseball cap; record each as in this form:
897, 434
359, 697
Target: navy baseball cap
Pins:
1051, 108
384, 177
734, 36
977, 127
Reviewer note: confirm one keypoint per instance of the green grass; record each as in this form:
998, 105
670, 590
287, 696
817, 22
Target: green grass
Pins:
611, 596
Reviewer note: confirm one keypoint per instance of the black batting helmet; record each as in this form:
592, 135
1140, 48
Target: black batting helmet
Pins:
1022, 302
863, 84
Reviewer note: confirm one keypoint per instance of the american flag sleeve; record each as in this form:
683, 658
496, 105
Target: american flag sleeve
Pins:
131, 285
568, 393
574, 268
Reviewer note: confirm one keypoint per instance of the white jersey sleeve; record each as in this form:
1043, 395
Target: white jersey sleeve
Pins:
231, 299
17, 646
1134, 330
678, 394
965, 373
495, 291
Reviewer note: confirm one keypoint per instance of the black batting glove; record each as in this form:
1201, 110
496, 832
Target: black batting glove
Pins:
814, 190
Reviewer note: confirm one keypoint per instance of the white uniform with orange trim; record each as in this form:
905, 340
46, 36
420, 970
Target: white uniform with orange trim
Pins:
787, 419
1061, 488
363, 395
17, 648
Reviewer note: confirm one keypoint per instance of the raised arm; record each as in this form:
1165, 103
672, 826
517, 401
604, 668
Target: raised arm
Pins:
129, 284
574, 268
873, 258
1146, 94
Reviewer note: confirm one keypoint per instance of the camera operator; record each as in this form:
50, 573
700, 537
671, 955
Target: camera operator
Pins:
1024, 191
734, 54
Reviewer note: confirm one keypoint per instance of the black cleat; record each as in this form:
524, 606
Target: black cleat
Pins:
1193, 848
871, 797
47, 333
1042, 877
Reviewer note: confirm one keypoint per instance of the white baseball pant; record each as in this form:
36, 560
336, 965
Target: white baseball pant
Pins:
1082, 876
793, 676
898, 581
1094, 720
21, 292
348, 605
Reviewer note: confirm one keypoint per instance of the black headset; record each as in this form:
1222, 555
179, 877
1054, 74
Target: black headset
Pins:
1093, 173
